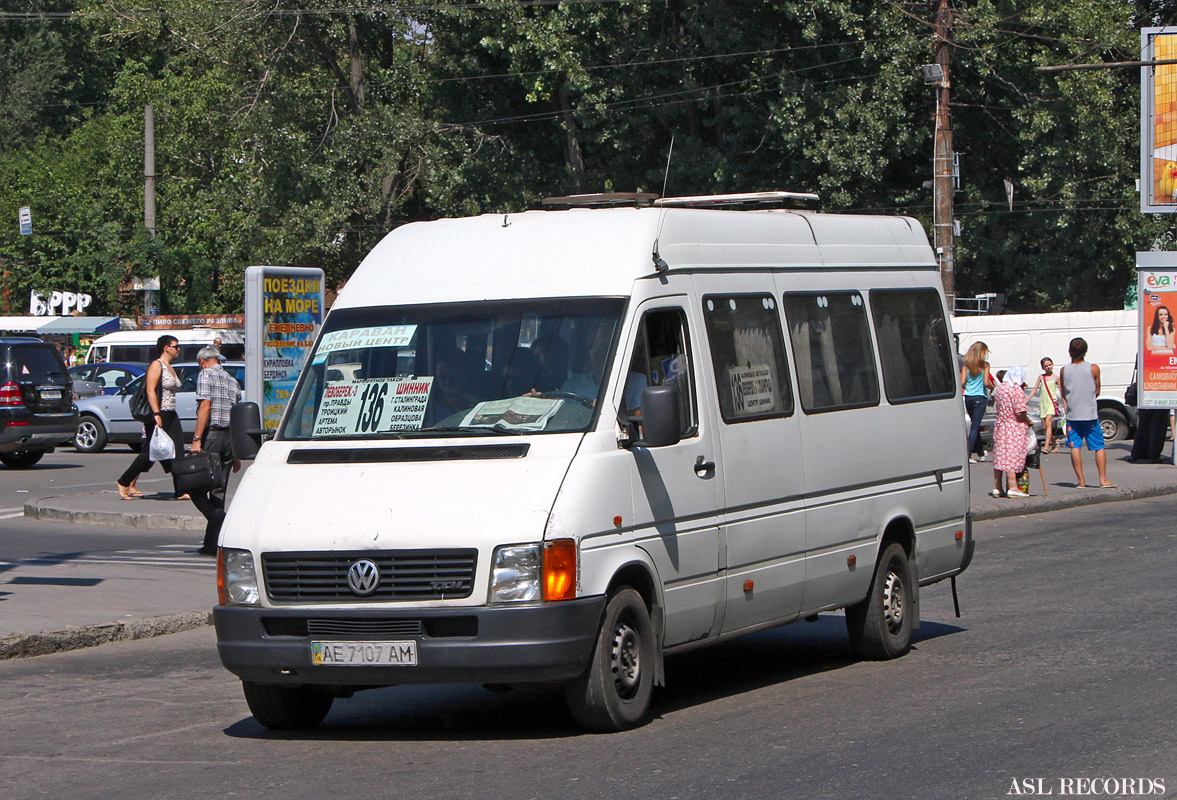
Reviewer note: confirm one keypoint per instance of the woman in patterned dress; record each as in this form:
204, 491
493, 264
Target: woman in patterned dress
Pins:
1009, 433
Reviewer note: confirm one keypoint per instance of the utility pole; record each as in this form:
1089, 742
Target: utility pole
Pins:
149, 169
148, 189
943, 161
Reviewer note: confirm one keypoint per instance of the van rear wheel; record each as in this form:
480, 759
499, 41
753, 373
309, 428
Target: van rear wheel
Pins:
286, 708
880, 626
614, 692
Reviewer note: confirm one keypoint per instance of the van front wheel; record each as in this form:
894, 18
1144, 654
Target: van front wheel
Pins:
613, 694
286, 708
880, 626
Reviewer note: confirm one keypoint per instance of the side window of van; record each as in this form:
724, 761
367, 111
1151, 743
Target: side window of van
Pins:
131, 353
832, 350
661, 358
913, 344
747, 350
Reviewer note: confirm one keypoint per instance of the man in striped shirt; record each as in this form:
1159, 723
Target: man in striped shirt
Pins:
216, 392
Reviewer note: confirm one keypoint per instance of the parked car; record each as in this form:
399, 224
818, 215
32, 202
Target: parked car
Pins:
104, 378
36, 401
106, 418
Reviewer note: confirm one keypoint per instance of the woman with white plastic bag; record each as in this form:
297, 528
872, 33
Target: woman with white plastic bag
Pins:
162, 383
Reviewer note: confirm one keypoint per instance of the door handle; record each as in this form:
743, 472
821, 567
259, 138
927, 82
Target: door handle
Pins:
702, 466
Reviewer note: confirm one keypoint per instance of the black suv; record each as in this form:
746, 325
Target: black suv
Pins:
37, 410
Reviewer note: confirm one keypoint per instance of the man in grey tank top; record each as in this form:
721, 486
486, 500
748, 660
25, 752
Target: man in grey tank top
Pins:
1080, 386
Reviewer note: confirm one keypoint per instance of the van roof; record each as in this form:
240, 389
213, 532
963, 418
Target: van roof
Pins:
601, 252
183, 335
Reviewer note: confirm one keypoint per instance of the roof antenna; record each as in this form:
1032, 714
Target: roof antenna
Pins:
660, 264
666, 175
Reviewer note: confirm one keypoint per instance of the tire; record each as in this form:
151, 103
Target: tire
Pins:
91, 436
880, 626
1113, 424
287, 708
614, 692
21, 459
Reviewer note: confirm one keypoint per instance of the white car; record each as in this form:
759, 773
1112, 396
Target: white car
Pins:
106, 418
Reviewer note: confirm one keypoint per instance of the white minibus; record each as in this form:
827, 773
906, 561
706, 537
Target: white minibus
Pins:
139, 346
556, 446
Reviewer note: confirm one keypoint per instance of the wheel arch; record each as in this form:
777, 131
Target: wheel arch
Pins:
901, 530
639, 573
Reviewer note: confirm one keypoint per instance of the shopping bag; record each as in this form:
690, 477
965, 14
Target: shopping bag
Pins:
197, 472
161, 447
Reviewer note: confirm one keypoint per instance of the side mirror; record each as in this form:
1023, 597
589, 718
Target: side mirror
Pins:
245, 430
661, 423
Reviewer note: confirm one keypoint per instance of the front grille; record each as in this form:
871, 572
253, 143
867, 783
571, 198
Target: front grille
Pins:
361, 627
404, 575
439, 627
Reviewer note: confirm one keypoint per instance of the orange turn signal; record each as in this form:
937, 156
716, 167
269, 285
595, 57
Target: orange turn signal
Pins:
560, 569
222, 592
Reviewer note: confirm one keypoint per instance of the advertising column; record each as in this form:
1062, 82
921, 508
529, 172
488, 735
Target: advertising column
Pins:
283, 313
1157, 363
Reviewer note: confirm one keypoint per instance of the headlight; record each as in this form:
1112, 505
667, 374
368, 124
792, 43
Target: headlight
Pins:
515, 574
236, 578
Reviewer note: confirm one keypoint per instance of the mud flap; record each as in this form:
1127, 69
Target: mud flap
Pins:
915, 594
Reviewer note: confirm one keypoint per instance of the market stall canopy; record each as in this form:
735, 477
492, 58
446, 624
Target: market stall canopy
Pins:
21, 324
63, 325
59, 326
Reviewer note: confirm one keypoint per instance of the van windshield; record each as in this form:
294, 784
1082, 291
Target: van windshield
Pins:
487, 368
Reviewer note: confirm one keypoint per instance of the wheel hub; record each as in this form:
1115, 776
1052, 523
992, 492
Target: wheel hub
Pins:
626, 663
893, 602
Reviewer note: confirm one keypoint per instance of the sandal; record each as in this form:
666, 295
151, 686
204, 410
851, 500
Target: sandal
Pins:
124, 492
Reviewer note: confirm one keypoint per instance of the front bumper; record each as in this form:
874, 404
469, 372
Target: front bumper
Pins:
500, 644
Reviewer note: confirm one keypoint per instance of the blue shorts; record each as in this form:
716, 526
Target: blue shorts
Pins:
1085, 430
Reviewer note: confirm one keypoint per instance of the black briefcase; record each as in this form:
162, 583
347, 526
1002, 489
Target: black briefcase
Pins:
197, 472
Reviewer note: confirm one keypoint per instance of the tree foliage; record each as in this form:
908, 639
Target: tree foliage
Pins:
300, 132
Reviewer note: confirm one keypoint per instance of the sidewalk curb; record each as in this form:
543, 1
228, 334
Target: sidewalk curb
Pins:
115, 519
26, 645
1019, 508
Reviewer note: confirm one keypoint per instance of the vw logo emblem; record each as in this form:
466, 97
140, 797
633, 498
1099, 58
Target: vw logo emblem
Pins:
363, 577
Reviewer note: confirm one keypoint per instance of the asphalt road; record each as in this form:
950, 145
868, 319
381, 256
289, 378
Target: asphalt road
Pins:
1060, 669
66, 472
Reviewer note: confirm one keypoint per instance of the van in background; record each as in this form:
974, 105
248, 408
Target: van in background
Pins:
139, 346
1025, 339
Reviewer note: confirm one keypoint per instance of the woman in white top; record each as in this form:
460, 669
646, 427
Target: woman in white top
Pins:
162, 383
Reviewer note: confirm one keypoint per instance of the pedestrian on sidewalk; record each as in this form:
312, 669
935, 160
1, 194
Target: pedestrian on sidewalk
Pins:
162, 383
1009, 432
1048, 402
1080, 386
976, 381
216, 392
